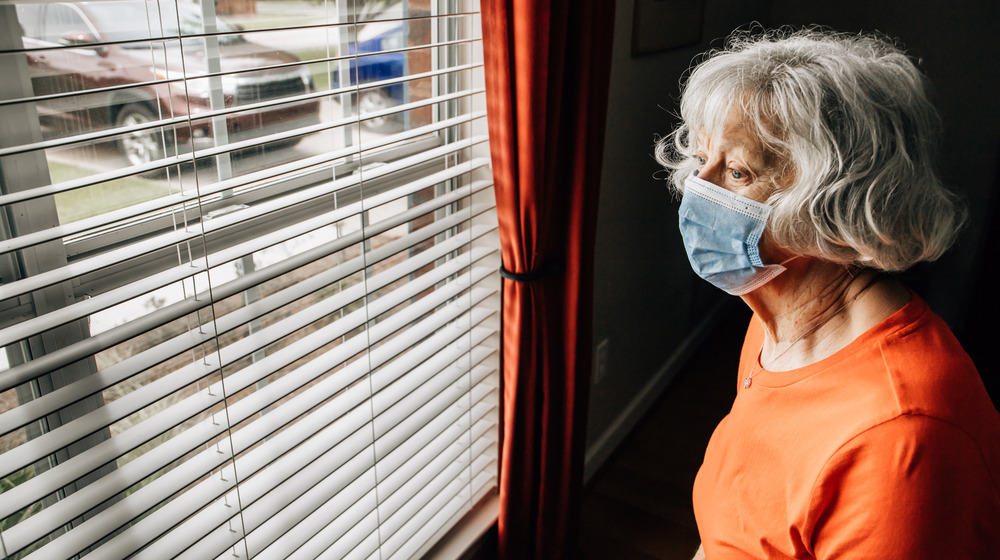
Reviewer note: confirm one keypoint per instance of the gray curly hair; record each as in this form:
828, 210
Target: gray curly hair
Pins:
848, 117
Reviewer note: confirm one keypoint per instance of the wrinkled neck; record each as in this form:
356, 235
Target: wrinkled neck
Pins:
816, 308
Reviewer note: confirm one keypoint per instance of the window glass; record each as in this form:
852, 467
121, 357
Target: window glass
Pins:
63, 24
30, 18
250, 298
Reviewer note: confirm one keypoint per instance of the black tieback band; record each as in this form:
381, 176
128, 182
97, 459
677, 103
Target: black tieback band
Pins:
548, 268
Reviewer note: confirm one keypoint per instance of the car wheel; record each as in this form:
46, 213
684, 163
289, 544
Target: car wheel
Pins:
140, 146
370, 102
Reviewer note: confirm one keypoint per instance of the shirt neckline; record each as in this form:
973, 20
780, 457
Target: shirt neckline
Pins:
909, 313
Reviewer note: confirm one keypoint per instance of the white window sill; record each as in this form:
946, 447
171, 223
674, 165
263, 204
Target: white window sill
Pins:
464, 536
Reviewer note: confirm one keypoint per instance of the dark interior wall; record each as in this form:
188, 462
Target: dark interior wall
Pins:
647, 300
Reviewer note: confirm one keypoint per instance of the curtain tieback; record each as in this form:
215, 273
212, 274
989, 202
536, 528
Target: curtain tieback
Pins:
548, 268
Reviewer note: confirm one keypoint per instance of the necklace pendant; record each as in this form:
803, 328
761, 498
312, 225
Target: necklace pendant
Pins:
747, 382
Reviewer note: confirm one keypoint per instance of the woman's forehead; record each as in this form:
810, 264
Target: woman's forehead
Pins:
730, 131
710, 113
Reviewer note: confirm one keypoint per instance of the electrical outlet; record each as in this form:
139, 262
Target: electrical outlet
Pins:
600, 362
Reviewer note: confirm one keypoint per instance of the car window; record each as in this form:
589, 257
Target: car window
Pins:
30, 18
137, 21
62, 20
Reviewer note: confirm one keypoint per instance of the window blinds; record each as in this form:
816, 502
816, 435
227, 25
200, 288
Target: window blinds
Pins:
249, 301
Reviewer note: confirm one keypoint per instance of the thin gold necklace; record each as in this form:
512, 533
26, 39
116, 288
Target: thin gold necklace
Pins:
753, 371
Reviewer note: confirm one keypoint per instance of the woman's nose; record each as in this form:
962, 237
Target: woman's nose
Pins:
712, 171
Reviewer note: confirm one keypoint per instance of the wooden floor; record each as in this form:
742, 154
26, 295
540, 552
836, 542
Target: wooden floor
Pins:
638, 506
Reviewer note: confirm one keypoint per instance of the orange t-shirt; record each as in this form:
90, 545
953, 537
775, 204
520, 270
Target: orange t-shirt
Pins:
889, 449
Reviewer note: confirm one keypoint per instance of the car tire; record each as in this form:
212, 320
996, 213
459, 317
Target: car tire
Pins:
371, 101
142, 146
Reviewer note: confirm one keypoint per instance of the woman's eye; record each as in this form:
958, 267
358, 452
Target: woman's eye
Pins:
737, 174
701, 160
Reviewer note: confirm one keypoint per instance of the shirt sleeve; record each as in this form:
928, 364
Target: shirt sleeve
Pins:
912, 488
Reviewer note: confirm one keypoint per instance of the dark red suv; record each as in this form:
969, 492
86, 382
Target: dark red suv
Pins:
114, 64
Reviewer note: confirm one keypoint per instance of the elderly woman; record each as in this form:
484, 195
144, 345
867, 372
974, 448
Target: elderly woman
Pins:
861, 428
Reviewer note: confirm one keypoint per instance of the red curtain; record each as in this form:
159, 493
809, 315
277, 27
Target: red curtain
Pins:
547, 73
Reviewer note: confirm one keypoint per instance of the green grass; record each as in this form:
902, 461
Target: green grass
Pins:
9, 483
97, 199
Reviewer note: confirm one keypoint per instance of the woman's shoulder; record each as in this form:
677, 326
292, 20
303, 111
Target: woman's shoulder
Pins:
909, 365
931, 376
922, 356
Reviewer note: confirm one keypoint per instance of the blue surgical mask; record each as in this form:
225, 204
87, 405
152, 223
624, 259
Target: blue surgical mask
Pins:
721, 232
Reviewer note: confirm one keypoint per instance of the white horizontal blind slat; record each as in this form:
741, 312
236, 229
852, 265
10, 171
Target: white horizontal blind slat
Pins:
348, 549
